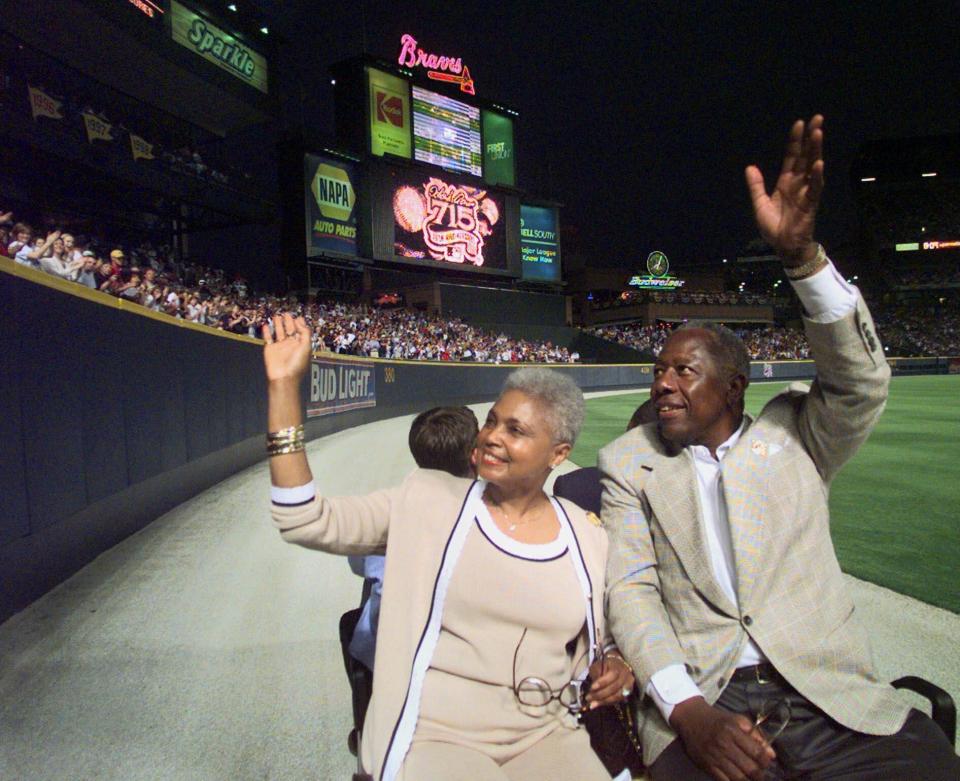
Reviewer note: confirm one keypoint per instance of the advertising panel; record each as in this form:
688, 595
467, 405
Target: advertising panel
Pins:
539, 243
498, 165
657, 276
389, 114
446, 132
338, 386
439, 218
214, 45
331, 198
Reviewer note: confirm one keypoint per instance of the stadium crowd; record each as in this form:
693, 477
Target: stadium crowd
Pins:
200, 294
204, 295
683, 296
911, 331
766, 343
930, 277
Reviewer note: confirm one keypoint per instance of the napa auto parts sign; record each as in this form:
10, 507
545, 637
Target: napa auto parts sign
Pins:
331, 201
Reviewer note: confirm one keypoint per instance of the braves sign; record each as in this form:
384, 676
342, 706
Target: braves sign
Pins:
439, 67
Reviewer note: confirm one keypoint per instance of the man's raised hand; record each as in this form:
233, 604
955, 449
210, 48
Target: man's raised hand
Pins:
786, 218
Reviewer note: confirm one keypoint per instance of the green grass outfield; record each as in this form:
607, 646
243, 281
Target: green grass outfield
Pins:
895, 506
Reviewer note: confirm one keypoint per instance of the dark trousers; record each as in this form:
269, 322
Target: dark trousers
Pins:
813, 746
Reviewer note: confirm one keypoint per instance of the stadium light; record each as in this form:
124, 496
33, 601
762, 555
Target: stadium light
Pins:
232, 7
333, 81
264, 30
868, 178
929, 174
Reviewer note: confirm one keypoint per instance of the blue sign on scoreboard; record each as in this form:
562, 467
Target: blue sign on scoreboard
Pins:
539, 243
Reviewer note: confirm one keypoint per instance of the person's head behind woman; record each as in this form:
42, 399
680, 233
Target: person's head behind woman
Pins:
530, 429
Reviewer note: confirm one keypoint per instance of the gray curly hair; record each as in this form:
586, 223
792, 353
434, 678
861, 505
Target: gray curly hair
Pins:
561, 398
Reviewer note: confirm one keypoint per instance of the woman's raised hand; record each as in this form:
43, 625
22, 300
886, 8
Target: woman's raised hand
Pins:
286, 354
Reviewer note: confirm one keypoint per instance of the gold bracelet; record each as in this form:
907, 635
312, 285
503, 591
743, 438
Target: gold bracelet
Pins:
282, 450
286, 433
807, 269
620, 659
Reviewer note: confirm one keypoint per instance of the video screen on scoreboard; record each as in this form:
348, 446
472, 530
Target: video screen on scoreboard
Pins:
437, 218
446, 132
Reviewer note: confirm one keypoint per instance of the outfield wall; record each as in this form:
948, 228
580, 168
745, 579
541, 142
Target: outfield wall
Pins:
111, 415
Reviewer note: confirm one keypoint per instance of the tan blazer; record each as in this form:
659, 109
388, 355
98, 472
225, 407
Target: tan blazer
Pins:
664, 604
416, 524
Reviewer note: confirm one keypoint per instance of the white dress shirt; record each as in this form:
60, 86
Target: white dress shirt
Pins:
826, 297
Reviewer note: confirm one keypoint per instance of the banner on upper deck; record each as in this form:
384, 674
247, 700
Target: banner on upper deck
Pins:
339, 386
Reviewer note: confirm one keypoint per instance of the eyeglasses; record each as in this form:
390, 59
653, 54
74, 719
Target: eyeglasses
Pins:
772, 718
535, 692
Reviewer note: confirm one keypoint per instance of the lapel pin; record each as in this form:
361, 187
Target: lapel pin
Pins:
759, 448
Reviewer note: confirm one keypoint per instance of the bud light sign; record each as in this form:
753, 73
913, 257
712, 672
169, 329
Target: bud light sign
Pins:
339, 386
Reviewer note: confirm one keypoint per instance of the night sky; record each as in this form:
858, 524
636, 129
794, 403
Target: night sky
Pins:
640, 117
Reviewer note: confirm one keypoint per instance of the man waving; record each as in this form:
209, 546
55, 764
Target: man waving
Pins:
724, 590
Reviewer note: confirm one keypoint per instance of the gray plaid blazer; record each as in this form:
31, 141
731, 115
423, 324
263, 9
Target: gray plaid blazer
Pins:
664, 605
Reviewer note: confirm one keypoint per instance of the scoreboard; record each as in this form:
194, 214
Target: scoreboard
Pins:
435, 181
446, 132
425, 125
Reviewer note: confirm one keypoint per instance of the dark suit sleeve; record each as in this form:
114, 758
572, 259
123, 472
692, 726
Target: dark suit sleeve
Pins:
582, 487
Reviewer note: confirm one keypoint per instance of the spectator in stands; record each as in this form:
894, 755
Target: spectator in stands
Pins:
55, 261
87, 275
440, 438
104, 274
455, 696
118, 262
130, 291
73, 254
20, 234
171, 302
150, 278
29, 254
